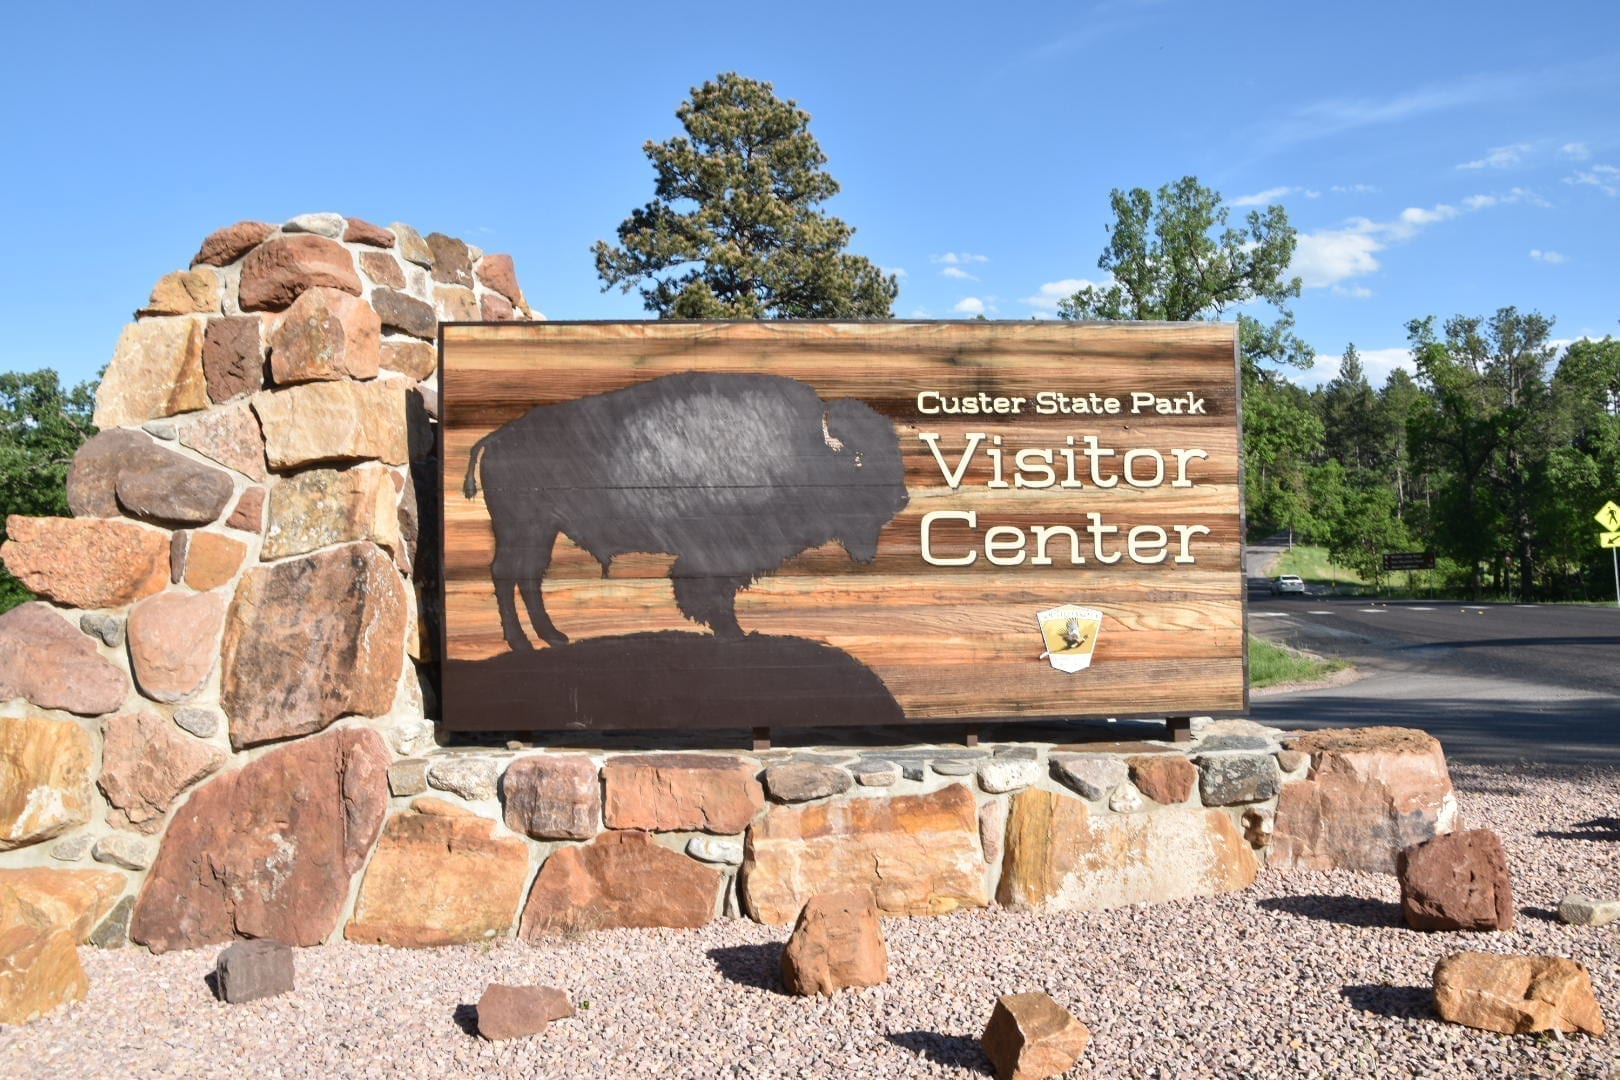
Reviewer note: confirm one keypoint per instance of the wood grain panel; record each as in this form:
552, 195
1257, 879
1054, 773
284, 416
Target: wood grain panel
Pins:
946, 641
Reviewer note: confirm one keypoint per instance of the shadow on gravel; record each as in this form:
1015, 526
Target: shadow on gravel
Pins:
759, 966
1346, 910
1396, 1002
466, 1018
1603, 828
211, 981
957, 1050
1540, 913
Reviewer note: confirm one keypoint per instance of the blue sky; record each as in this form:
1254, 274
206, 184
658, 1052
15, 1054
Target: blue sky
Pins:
1437, 159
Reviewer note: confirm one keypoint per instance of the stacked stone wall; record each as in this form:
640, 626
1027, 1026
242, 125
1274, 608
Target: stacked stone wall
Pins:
219, 705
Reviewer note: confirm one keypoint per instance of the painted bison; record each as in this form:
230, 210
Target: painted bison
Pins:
733, 474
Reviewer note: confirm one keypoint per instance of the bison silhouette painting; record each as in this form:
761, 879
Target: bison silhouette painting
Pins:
733, 474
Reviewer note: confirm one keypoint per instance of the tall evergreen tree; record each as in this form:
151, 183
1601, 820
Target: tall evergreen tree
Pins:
734, 230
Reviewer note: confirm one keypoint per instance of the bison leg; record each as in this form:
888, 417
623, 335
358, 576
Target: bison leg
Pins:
710, 599
520, 564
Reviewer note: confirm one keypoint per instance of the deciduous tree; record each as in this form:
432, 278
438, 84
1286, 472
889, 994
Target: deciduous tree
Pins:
41, 426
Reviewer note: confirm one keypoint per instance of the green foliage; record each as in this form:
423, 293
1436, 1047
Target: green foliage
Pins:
41, 426
733, 230
1313, 563
1179, 259
1270, 664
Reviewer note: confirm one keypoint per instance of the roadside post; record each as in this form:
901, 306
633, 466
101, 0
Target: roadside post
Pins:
1609, 518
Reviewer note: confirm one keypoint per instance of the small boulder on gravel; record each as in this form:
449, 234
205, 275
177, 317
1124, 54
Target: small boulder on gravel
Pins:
512, 1012
1032, 1037
837, 943
1516, 994
1456, 881
250, 970
1578, 910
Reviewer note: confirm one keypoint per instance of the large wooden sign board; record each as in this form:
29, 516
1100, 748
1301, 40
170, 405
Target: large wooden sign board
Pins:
656, 525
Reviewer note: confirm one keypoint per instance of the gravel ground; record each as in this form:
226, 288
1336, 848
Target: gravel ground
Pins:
1305, 974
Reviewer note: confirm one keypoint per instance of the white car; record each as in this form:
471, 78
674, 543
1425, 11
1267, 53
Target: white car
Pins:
1288, 583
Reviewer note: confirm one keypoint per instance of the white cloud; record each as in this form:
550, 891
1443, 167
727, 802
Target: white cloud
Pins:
958, 258
1500, 157
1047, 296
1329, 256
1606, 178
1354, 292
894, 271
1574, 151
1261, 198
1352, 189
969, 305
958, 273
1547, 256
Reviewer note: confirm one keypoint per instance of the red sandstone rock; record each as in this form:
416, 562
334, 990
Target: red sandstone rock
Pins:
621, 879
916, 854
417, 359
405, 314
233, 357
44, 916
249, 513
452, 264
89, 563
1164, 778
212, 560
334, 421
364, 232
836, 943
1458, 881
412, 247
229, 435
1061, 857
268, 850
1032, 1037
51, 665
319, 507
173, 639
44, 779
92, 482
553, 797
156, 371
1516, 994
232, 242
383, 268
311, 639
439, 876
166, 487
1370, 792
495, 308
513, 1012
278, 270
325, 335
145, 763
498, 273
665, 792
184, 292
455, 304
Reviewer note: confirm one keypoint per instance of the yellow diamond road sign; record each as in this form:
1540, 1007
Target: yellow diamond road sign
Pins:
1609, 539
1609, 518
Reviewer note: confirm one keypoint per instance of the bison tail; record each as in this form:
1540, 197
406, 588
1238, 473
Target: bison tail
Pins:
470, 488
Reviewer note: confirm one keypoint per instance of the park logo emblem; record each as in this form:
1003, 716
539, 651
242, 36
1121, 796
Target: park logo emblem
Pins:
1070, 634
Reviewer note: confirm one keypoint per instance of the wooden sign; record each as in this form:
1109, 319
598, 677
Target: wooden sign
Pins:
657, 525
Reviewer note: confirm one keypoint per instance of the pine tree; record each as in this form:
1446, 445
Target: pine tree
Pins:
734, 230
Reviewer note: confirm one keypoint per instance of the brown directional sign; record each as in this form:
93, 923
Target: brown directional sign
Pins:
685, 525
1409, 560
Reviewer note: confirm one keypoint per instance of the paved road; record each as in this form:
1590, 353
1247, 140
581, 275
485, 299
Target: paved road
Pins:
1499, 683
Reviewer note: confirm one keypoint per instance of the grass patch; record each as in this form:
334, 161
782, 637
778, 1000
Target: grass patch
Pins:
1312, 563
1270, 664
